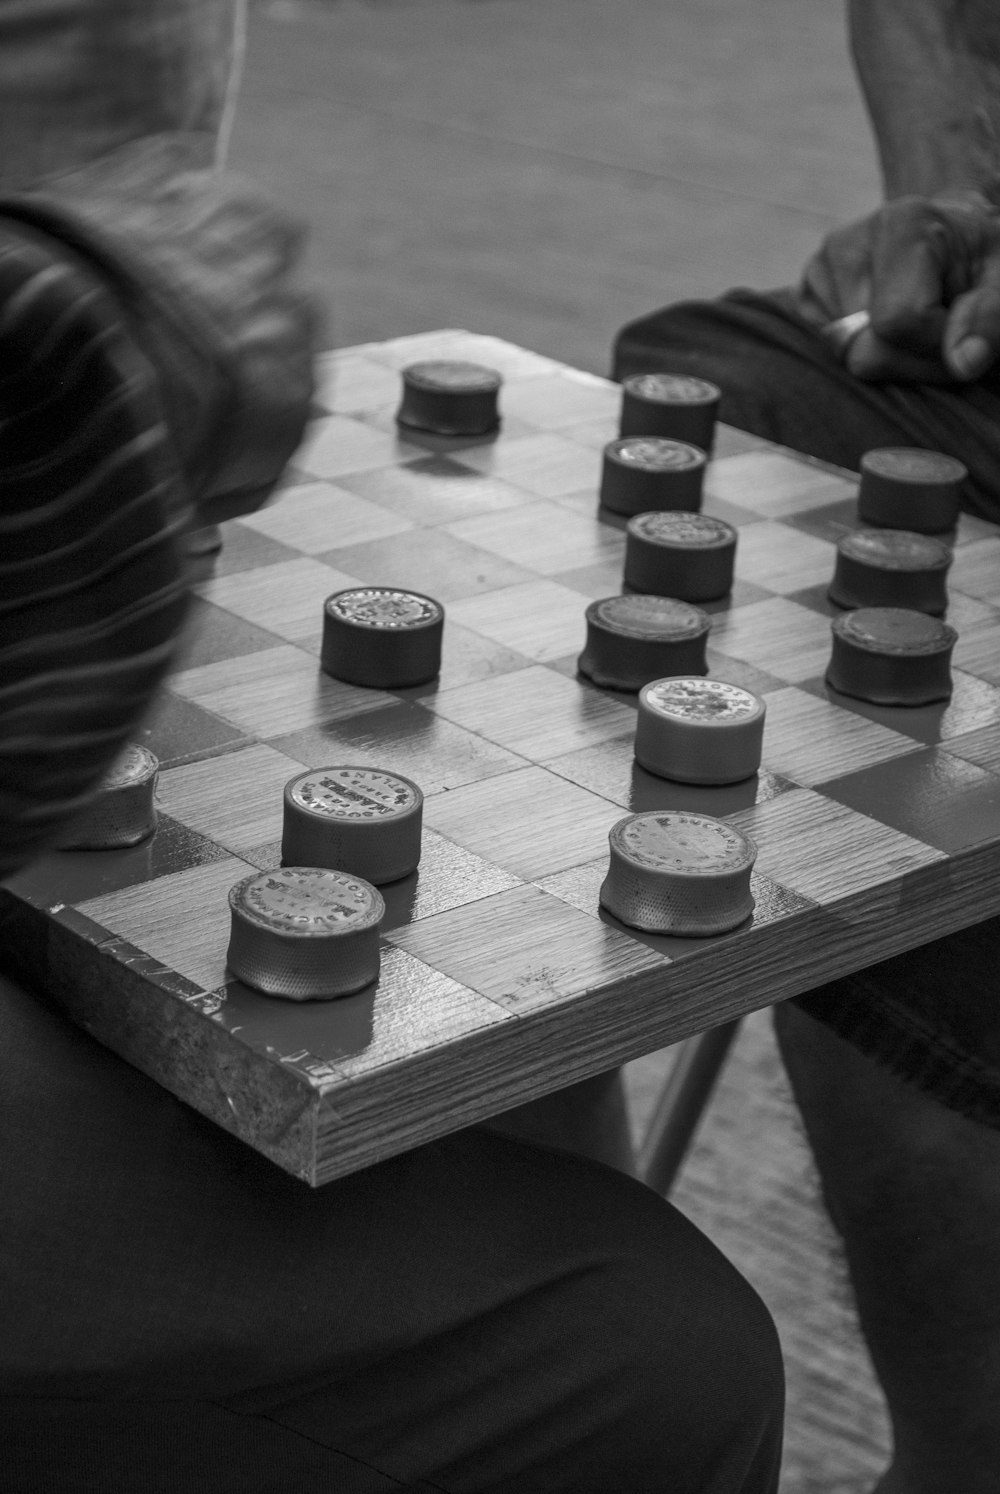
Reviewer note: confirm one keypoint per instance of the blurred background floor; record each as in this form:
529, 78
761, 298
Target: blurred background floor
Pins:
545, 170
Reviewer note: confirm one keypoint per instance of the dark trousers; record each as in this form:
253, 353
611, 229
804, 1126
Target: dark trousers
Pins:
479, 1314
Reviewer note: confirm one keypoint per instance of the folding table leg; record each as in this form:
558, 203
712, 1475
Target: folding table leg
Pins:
681, 1105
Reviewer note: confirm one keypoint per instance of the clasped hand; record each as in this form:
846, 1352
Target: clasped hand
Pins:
927, 270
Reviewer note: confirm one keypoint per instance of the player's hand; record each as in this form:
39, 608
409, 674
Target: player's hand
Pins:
927, 271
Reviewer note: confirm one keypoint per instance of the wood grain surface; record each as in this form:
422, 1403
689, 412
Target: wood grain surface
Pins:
502, 979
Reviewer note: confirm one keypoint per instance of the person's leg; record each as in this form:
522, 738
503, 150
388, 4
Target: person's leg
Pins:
913, 1188
780, 380
589, 1118
476, 1315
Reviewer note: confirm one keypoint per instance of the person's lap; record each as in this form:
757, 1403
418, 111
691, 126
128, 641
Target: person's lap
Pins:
477, 1314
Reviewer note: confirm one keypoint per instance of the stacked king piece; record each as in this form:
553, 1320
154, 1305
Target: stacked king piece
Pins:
891, 647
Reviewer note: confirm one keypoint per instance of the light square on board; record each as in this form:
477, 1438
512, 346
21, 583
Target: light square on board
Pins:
416, 1008
559, 399
182, 919
320, 516
774, 484
976, 569
212, 633
530, 822
435, 490
274, 692
825, 851
547, 465
527, 950
411, 1008
594, 434
974, 702
792, 642
594, 582
286, 599
338, 444
235, 799
810, 740
554, 541
971, 527
349, 383
539, 619
782, 558
432, 561
403, 738
981, 746
468, 658
977, 651
449, 876
535, 712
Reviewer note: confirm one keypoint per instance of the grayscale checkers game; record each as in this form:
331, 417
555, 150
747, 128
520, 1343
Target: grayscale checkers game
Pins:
502, 978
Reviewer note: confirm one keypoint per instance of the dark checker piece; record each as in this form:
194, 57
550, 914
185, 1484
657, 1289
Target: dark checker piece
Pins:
643, 473
674, 405
305, 933
381, 637
353, 819
891, 656
688, 556
450, 398
634, 639
905, 487
891, 568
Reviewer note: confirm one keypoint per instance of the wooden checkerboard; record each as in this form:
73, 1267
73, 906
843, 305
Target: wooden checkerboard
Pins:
501, 977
